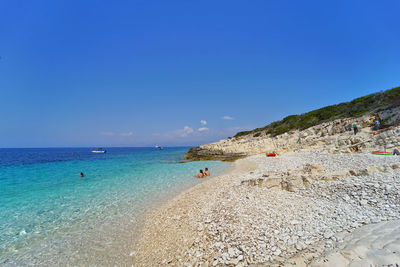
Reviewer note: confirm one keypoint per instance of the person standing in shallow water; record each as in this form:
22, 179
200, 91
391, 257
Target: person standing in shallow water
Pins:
200, 174
207, 172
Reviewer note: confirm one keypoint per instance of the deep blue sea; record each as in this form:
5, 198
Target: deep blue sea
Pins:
49, 215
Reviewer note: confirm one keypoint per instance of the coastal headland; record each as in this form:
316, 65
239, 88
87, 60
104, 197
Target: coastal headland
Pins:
324, 201
328, 129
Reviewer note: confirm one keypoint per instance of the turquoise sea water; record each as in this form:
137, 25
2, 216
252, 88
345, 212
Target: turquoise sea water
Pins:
49, 215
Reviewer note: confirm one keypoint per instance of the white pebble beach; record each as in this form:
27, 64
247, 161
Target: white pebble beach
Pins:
344, 212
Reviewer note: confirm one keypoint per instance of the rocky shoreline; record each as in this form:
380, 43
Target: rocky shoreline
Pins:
200, 153
297, 209
331, 137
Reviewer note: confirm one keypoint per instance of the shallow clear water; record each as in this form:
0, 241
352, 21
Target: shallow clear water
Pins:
47, 210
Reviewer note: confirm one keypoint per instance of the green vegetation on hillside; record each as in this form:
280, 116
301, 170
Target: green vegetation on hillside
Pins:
355, 108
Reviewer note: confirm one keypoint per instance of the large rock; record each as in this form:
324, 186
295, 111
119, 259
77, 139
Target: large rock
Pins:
203, 153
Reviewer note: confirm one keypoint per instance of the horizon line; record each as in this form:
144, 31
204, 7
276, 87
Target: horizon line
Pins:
94, 147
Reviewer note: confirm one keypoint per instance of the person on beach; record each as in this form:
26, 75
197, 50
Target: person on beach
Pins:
82, 174
377, 124
200, 174
207, 172
355, 127
396, 152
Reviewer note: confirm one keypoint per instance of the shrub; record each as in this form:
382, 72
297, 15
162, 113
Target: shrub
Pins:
355, 108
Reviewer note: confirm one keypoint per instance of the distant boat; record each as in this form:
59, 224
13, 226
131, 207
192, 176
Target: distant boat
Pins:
99, 150
159, 147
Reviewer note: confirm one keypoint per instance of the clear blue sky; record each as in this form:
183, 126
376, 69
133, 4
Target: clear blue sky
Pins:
138, 73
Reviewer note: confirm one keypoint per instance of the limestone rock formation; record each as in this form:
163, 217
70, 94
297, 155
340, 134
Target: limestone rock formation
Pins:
333, 137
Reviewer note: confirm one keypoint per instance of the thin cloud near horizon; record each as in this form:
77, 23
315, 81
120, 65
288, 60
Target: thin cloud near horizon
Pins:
202, 129
188, 136
113, 133
226, 117
126, 134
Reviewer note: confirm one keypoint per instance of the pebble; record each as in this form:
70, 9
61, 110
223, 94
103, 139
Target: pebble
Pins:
277, 252
231, 252
328, 234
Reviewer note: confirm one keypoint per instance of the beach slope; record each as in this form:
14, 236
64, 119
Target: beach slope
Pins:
295, 209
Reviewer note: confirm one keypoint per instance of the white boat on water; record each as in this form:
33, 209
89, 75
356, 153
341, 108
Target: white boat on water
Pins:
99, 151
159, 147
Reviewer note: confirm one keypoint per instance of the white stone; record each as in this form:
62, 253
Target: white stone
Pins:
328, 234
231, 252
277, 252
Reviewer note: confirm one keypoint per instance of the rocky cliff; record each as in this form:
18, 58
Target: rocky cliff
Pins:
336, 136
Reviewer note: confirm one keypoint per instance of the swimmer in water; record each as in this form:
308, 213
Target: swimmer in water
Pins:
82, 174
200, 174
